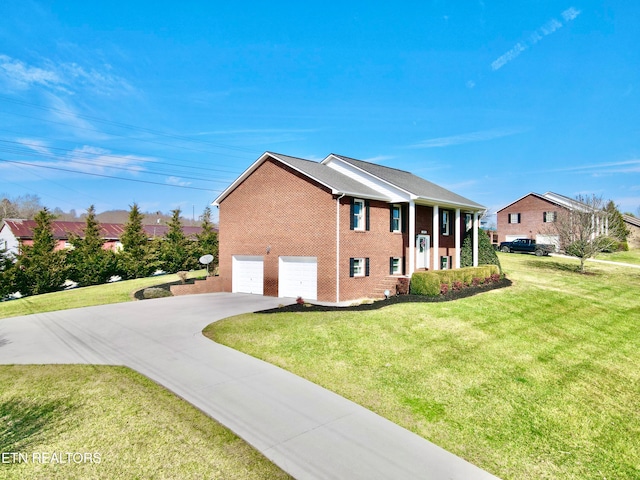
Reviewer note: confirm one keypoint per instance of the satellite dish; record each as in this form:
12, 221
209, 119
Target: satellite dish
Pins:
206, 259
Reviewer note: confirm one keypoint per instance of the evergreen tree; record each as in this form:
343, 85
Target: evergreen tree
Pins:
7, 274
89, 263
207, 239
486, 252
136, 258
617, 227
176, 251
40, 268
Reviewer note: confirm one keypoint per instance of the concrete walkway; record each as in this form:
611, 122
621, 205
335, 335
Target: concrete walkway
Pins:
307, 430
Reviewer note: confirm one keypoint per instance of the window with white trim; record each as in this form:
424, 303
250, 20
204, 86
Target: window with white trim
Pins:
358, 267
549, 217
395, 266
468, 221
396, 218
358, 214
514, 218
446, 220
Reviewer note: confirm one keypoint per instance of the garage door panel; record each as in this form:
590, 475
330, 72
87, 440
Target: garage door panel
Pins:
298, 277
247, 274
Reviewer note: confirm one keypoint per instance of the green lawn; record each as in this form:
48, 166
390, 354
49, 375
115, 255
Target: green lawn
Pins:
116, 292
128, 426
632, 256
538, 380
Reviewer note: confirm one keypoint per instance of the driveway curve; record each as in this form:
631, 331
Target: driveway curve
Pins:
308, 431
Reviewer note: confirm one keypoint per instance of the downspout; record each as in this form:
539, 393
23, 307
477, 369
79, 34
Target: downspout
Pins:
338, 247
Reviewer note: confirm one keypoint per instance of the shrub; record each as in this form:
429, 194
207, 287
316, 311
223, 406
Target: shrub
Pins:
155, 292
486, 251
402, 287
457, 286
444, 289
476, 281
182, 275
430, 283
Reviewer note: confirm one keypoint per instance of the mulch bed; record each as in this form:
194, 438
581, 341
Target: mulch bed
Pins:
139, 294
451, 295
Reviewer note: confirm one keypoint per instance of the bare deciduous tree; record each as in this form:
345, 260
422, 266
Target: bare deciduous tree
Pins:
583, 229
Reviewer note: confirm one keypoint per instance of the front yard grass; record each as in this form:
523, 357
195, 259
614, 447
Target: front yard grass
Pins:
631, 256
137, 429
116, 292
538, 380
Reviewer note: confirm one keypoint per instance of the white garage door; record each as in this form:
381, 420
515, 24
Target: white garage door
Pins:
247, 274
549, 240
298, 277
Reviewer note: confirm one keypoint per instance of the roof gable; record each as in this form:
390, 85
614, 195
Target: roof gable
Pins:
416, 186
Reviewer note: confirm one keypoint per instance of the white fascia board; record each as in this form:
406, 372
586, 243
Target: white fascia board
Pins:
441, 203
387, 190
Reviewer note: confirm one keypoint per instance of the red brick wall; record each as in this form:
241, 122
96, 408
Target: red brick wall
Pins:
278, 207
378, 244
531, 209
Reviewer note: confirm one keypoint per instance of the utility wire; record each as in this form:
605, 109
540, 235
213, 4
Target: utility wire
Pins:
94, 163
122, 125
106, 176
193, 167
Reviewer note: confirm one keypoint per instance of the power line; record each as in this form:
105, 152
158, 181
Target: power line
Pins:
105, 176
117, 134
122, 125
73, 159
193, 167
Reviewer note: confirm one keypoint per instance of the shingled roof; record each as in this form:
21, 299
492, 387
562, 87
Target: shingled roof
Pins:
410, 183
340, 183
23, 229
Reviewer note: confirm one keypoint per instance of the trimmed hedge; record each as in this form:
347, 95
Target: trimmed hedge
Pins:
429, 283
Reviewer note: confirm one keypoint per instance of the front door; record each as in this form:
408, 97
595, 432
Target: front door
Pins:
423, 243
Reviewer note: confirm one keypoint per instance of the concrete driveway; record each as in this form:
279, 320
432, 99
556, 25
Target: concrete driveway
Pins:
307, 430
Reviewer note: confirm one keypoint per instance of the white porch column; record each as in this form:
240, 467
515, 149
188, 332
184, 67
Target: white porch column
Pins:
435, 240
412, 238
475, 239
457, 234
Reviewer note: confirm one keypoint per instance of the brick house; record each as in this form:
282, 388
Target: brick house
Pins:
15, 232
335, 230
533, 215
633, 225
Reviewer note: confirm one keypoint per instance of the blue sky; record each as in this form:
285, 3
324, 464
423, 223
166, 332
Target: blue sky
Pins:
491, 99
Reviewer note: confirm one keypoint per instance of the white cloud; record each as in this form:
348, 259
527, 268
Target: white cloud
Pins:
570, 14
502, 60
68, 77
548, 28
177, 181
36, 145
23, 76
481, 136
626, 166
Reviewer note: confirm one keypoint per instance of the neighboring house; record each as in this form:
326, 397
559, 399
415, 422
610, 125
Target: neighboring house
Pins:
16, 232
533, 215
336, 230
633, 225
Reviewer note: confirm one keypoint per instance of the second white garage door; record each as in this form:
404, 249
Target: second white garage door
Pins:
247, 274
298, 277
